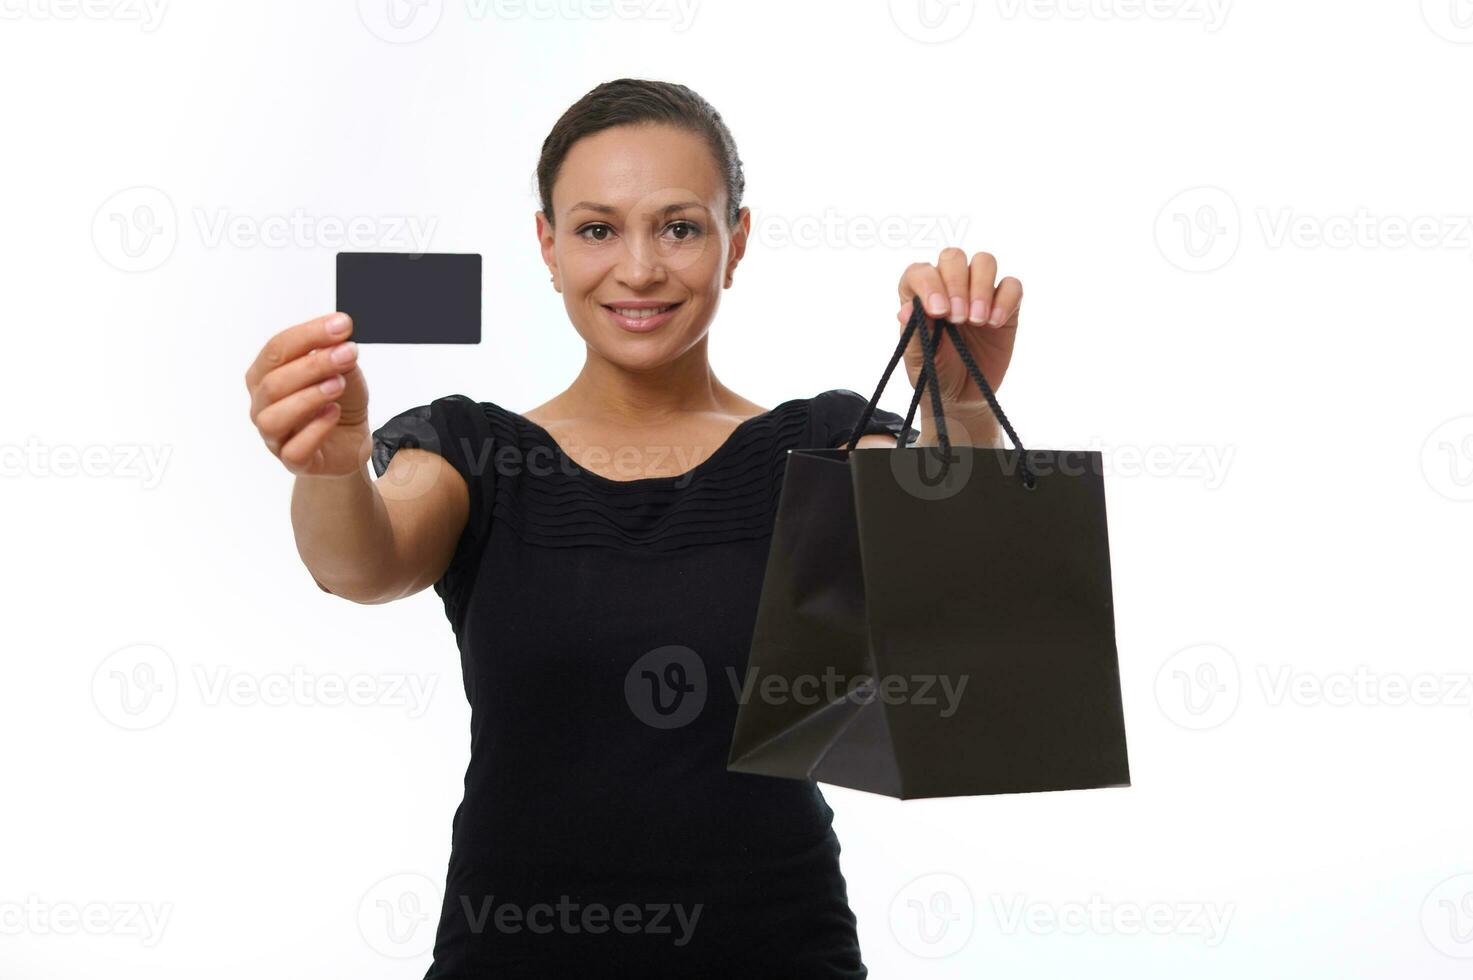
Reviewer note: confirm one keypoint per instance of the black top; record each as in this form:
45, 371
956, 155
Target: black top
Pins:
604, 628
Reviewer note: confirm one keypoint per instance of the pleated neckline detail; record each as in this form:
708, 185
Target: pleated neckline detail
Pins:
731, 495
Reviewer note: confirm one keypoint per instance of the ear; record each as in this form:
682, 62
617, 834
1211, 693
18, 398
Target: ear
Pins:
739, 235
545, 237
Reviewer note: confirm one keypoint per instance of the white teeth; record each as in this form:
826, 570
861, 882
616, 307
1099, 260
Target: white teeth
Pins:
640, 314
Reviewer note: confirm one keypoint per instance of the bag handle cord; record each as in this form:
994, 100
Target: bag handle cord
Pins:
929, 346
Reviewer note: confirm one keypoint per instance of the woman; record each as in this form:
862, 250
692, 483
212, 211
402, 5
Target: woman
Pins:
603, 597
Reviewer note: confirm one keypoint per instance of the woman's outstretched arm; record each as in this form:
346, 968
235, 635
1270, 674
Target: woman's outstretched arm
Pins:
367, 541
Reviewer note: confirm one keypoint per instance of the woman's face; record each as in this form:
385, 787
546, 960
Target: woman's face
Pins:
640, 219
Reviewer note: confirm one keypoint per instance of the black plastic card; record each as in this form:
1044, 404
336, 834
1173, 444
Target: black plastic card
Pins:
411, 297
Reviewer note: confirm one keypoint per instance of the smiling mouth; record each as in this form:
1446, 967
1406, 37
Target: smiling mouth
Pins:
641, 313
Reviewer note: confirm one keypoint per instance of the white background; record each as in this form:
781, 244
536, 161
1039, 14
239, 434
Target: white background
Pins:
1244, 233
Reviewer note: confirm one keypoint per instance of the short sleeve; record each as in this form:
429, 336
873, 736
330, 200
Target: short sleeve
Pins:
455, 428
838, 411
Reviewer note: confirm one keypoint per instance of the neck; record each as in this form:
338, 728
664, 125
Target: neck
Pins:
622, 396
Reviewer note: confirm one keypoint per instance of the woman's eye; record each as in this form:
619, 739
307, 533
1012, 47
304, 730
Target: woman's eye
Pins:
680, 230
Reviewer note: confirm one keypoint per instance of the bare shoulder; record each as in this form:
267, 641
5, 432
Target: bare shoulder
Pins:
748, 408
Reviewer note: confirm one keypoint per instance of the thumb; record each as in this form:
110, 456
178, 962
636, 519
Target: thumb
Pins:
353, 402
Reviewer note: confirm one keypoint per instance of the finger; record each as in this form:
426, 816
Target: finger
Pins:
312, 367
983, 279
924, 280
953, 266
279, 420
907, 311
1005, 302
293, 342
301, 452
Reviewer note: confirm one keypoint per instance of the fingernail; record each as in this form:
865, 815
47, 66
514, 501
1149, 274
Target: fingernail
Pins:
343, 353
996, 319
337, 324
331, 385
979, 311
936, 304
958, 310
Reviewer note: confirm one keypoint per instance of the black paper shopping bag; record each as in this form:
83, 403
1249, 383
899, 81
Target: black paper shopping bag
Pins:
938, 620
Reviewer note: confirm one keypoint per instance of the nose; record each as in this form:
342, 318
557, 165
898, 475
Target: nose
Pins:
642, 264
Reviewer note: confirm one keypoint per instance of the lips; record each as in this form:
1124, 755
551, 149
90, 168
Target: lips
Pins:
641, 316
640, 310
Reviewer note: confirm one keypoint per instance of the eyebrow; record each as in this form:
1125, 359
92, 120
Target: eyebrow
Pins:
607, 209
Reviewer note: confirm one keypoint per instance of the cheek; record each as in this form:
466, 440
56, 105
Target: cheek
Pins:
579, 271
706, 272
581, 263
